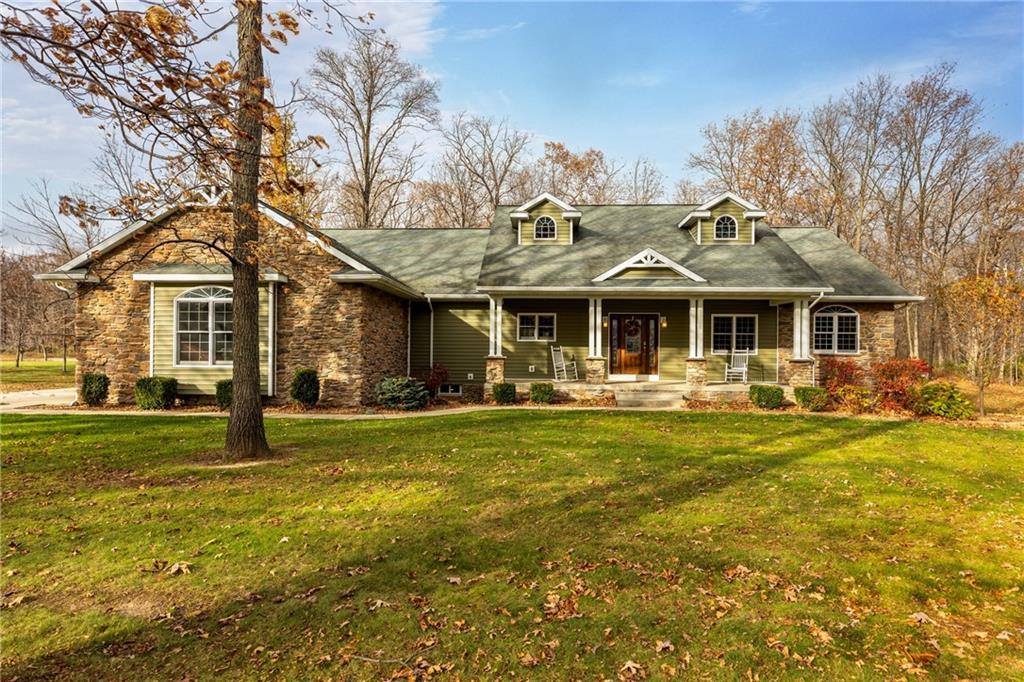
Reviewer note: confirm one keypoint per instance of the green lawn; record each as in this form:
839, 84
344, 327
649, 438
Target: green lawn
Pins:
33, 374
551, 544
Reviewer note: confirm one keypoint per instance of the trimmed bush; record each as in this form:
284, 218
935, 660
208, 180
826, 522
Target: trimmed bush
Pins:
856, 399
766, 396
156, 393
224, 394
305, 388
542, 392
811, 398
402, 393
438, 375
504, 394
95, 386
894, 381
942, 399
839, 372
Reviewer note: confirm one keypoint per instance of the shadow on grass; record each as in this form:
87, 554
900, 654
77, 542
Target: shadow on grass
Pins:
513, 501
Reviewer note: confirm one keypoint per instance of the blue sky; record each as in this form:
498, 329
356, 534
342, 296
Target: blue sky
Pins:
631, 79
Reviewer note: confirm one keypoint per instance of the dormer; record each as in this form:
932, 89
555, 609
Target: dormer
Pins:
724, 219
545, 219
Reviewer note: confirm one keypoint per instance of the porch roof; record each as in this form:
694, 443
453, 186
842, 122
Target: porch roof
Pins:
610, 234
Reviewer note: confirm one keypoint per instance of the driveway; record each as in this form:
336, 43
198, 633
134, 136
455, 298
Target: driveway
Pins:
44, 396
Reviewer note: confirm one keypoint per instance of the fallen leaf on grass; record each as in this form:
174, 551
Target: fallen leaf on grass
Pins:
180, 568
664, 646
631, 670
528, 660
921, 618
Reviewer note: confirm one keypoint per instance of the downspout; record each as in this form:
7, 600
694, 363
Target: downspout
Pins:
431, 304
408, 338
814, 363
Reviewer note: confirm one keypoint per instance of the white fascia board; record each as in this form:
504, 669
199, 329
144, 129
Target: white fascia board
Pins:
649, 258
119, 237
693, 215
314, 238
377, 280
910, 298
571, 214
541, 198
209, 277
58, 276
519, 215
458, 297
640, 292
727, 196
749, 215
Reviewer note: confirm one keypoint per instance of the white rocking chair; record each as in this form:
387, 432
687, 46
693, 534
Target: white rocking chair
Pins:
737, 366
564, 371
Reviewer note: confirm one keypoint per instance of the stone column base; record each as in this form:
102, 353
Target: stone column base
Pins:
800, 372
494, 369
595, 370
696, 371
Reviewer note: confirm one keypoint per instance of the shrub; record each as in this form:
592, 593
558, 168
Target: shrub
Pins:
856, 399
839, 372
95, 386
894, 381
766, 396
942, 399
438, 375
305, 388
156, 393
542, 392
224, 394
504, 394
811, 398
402, 393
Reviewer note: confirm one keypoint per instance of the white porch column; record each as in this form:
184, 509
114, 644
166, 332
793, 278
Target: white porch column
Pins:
495, 330
801, 330
696, 328
490, 330
598, 346
591, 306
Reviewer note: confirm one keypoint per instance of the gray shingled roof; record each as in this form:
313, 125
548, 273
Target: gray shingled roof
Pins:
608, 235
430, 261
849, 273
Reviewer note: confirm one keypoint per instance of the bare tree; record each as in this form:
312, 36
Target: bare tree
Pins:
38, 222
375, 102
489, 155
646, 183
688, 192
588, 177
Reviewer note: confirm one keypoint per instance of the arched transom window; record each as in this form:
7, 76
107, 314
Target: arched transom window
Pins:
836, 331
203, 327
544, 228
726, 228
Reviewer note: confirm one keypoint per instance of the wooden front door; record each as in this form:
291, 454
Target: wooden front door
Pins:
633, 341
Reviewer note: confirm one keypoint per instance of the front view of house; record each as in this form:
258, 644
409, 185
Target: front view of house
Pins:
666, 292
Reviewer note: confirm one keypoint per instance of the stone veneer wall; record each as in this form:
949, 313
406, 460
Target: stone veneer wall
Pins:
877, 337
351, 334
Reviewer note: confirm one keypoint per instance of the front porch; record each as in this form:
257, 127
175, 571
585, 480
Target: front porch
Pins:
670, 342
649, 394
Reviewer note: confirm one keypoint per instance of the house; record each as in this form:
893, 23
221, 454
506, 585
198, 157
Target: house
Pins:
663, 292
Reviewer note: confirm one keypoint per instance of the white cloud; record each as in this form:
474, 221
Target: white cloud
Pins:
638, 79
751, 8
489, 32
410, 25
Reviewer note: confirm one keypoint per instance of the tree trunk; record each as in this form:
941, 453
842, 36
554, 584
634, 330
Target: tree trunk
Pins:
981, 398
246, 436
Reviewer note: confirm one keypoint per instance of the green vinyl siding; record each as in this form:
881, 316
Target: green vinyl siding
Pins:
563, 229
763, 366
195, 380
460, 340
674, 338
571, 333
743, 225
649, 273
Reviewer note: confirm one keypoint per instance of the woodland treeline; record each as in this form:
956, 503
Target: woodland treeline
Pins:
904, 172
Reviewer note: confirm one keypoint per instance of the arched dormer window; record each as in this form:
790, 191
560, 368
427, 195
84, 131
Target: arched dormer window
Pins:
726, 228
204, 327
544, 227
836, 331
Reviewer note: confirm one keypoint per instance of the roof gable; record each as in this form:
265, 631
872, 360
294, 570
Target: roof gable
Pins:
704, 210
649, 258
522, 212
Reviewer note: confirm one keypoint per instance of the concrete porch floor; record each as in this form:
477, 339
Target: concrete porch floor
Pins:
655, 393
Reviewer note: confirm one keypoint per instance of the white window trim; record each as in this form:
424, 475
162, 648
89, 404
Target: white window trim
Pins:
553, 237
835, 311
714, 229
450, 393
519, 327
732, 338
210, 363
